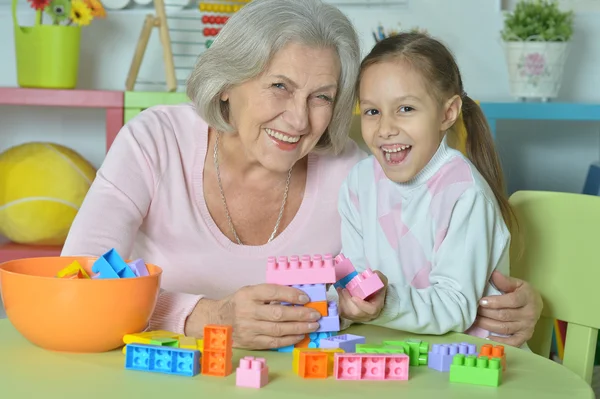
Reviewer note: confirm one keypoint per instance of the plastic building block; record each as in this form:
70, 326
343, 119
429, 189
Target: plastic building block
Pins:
330, 353
364, 284
344, 282
217, 337
346, 342
252, 372
111, 265
296, 270
160, 359
322, 307
478, 371
355, 366
285, 349
216, 363
139, 268
217, 354
331, 322
147, 336
441, 355
171, 342
313, 340
316, 292
191, 343
415, 348
74, 269
491, 351
344, 271
374, 348
313, 365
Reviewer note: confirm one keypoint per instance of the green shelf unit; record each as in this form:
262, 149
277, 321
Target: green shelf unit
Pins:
137, 101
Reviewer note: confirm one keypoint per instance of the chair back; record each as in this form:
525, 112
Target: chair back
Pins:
557, 250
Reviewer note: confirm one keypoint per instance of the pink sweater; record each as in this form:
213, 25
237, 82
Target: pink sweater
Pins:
147, 202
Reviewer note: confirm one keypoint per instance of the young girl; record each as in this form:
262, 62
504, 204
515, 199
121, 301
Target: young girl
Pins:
431, 221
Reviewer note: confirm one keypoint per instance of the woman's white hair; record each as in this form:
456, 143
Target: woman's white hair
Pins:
247, 43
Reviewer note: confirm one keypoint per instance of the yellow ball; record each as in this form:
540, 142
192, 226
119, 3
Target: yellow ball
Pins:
42, 187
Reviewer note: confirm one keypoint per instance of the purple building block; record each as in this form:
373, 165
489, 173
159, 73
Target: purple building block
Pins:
316, 292
441, 355
331, 322
139, 267
347, 342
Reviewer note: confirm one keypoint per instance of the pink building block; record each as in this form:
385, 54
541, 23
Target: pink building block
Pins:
343, 267
371, 366
304, 270
365, 284
252, 372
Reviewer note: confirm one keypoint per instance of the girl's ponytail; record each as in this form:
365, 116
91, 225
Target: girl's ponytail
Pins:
482, 152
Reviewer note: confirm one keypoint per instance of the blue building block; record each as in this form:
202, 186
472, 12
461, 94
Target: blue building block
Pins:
111, 265
102, 266
315, 339
285, 349
162, 359
344, 282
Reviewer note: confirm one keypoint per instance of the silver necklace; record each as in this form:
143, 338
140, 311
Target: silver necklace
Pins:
285, 195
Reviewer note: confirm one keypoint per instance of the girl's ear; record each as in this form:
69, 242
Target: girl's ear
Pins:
451, 110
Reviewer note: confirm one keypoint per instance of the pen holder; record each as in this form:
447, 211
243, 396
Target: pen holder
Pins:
47, 55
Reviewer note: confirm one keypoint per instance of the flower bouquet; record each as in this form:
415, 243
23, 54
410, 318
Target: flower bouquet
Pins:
48, 53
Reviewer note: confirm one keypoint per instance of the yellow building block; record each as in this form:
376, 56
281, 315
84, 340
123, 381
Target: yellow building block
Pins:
148, 336
188, 343
330, 354
73, 268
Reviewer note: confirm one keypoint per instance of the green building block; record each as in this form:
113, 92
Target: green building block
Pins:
416, 349
477, 371
172, 342
374, 348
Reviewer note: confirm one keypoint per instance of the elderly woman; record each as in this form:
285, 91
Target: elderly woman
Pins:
251, 169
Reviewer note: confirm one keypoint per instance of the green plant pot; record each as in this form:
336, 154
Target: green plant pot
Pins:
47, 55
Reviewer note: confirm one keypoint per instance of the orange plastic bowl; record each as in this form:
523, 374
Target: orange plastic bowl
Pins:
84, 315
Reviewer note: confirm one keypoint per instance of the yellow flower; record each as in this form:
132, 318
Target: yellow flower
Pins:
96, 8
80, 13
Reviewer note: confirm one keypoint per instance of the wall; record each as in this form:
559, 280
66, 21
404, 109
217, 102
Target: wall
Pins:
536, 155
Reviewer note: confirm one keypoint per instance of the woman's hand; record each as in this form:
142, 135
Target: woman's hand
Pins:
258, 324
359, 310
514, 313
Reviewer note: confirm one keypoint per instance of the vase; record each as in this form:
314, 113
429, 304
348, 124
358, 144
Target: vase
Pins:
535, 68
47, 55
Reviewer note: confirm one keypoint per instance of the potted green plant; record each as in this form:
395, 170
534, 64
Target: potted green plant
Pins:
47, 53
536, 38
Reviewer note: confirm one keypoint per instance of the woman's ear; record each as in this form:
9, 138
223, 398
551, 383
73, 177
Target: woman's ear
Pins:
451, 110
225, 96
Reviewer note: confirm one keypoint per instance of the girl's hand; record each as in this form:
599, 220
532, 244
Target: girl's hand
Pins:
359, 310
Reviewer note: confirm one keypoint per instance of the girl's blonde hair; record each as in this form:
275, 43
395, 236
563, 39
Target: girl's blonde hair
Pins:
440, 72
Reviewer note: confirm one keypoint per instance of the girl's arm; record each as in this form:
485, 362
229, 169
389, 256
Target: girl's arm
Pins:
117, 203
477, 243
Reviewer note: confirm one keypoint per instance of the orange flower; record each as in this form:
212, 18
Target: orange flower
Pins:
96, 7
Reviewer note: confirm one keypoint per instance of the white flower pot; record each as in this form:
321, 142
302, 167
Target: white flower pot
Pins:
535, 68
